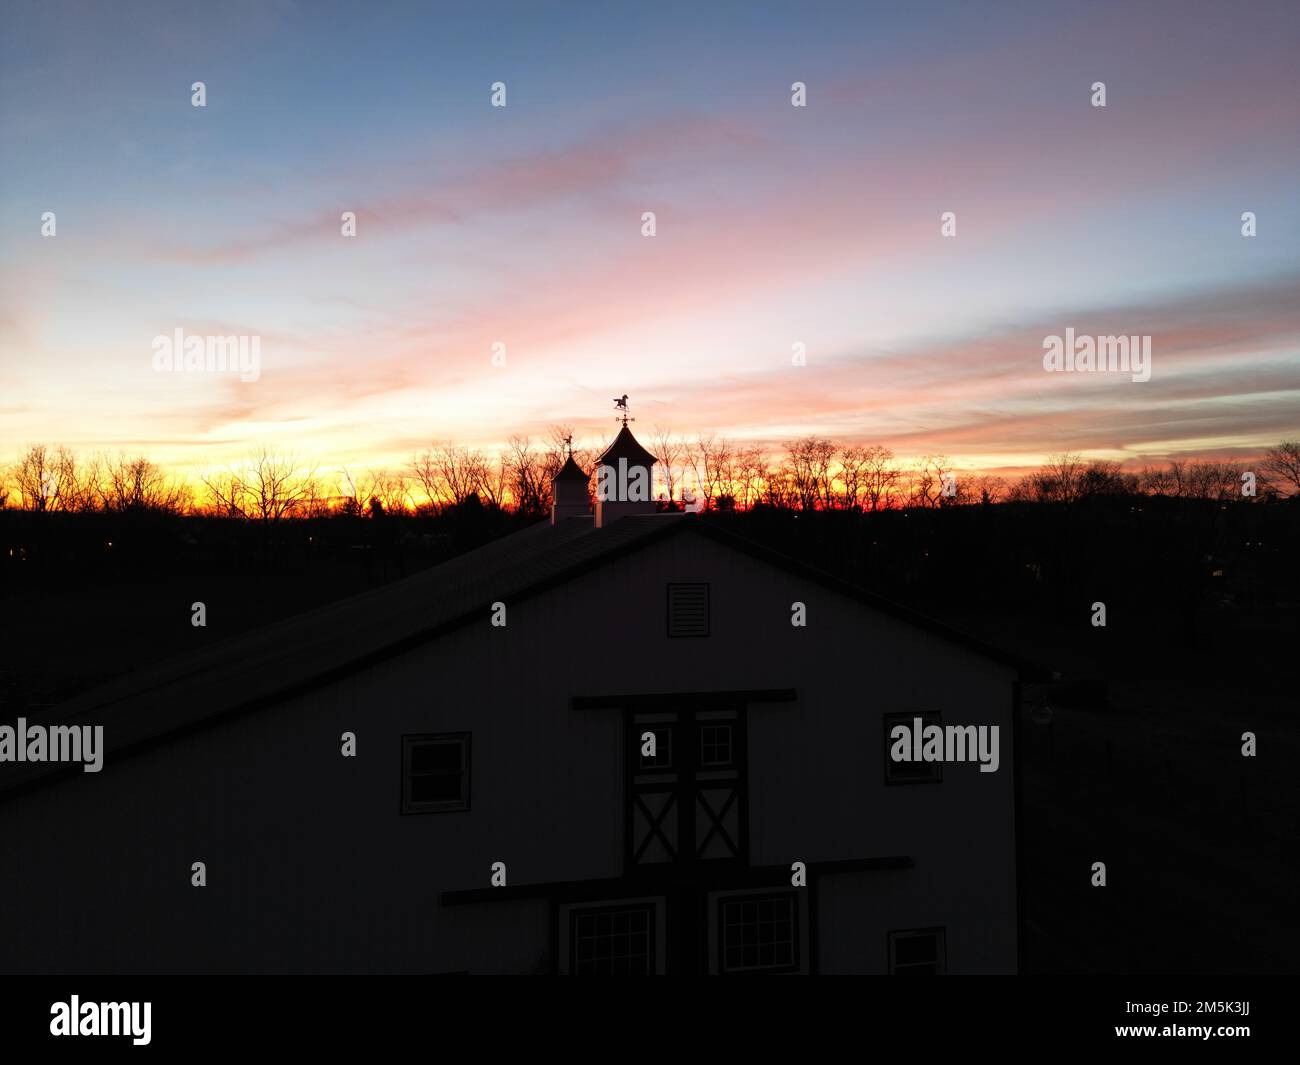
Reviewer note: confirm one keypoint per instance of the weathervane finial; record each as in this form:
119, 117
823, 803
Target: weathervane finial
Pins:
620, 404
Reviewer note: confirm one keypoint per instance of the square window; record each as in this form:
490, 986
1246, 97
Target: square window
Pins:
715, 745
663, 756
435, 773
910, 772
612, 941
758, 934
917, 952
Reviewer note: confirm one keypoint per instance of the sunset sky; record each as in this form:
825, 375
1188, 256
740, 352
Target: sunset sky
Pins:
776, 225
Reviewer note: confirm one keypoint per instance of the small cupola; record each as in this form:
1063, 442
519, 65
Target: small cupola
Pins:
570, 490
624, 476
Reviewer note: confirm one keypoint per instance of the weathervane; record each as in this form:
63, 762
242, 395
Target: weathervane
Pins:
568, 443
620, 404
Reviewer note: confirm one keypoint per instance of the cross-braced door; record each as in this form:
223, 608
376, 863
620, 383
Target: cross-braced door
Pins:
686, 788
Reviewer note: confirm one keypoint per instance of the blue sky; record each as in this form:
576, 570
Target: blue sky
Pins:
775, 225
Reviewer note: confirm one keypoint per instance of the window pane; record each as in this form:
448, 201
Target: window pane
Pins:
435, 773
911, 949
435, 787
613, 942
715, 745
439, 756
758, 934
917, 953
663, 757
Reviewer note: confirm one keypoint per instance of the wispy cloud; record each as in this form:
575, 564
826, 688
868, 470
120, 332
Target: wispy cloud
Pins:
775, 226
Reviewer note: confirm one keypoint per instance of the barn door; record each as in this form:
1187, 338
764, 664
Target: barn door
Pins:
654, 813
717, 786
686, 802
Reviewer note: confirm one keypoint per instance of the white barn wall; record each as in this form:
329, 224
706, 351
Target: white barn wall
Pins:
311, 866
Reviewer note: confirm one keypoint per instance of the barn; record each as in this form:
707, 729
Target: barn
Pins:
619, 741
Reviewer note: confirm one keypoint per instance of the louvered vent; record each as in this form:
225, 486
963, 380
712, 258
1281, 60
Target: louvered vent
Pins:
688, 610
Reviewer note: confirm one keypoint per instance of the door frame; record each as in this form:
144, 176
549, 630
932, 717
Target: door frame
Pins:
684, 779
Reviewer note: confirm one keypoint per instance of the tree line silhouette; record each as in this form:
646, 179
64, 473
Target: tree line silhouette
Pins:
810, 473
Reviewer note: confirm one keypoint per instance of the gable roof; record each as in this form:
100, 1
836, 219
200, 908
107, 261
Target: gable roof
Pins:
259, 668
571, 471
626, 446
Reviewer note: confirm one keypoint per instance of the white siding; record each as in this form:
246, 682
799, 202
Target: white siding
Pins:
311, 867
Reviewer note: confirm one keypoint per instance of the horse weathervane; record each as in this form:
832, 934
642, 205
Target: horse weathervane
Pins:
620, 405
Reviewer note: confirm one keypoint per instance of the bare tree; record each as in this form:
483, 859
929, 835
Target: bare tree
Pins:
697, 461
781, 488
670, 451
315, 499
385, 492
1208, 479
1101, 477
930, 483
1228, 482
1024, 490
719, 461
853, 464
823, 456
527, 476
751, 472
1178, 477
990, 489
274, 484
880, 477
448, 473
1155, 481
425, 469
953, 490
809, 464
350, 493
83, 481
1282, 463
226, 494
1059, 480
37, 489
135, 484
495, 483
47, 479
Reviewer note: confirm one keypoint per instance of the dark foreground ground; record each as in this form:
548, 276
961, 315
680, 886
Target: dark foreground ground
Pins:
1132, 755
